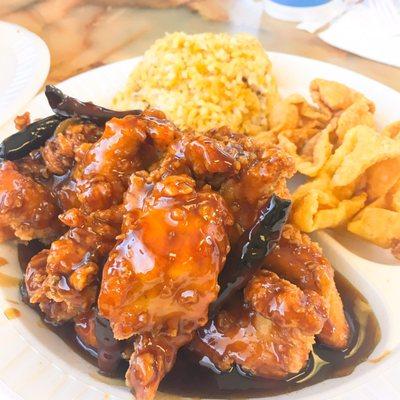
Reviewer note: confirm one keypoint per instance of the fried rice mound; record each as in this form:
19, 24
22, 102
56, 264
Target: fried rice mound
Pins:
204, 81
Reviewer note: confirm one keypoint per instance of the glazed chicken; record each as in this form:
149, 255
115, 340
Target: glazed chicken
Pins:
31, 178
162, 320
102, 170
272, 332
165, 284
153, 357
64, 279
299, 260
269, 333
56, 158
101, 175
60, 150
179, 269
141, 218
27, 209
162, 288
244, 174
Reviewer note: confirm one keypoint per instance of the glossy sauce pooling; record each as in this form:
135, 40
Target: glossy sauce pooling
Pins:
191, 377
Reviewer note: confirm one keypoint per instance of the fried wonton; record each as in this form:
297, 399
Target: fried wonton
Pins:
379, 222
353, 168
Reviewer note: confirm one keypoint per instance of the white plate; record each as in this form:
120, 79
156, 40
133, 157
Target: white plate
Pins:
24, 65
35, 363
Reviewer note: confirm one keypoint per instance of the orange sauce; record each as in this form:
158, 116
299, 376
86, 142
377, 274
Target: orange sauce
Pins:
12, 313
7, 281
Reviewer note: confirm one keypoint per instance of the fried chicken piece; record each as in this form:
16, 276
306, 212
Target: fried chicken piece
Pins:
246, 192
217, 155
299, 260
102, 172
270, 334
59, 151
52, 292
27, 210
165, 284
153, 357
63, 280
33, 166
243, 337
57, 158
162, 288
51, 165
57, 155
242, 172
285, 304
208, 158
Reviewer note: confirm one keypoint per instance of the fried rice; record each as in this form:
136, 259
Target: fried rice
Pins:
204, 81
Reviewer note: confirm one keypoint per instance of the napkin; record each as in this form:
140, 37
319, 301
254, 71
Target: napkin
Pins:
363, 31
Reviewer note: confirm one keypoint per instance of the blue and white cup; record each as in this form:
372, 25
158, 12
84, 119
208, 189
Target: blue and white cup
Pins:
301, 10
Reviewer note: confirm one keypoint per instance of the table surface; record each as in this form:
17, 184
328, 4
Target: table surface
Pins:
83, 34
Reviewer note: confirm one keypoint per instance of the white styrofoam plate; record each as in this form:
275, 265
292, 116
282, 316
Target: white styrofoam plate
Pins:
50, 370
24, 65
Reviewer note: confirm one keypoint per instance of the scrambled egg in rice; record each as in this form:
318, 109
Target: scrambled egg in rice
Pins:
204, 81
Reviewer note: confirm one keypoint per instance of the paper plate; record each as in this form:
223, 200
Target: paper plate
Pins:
24, 65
